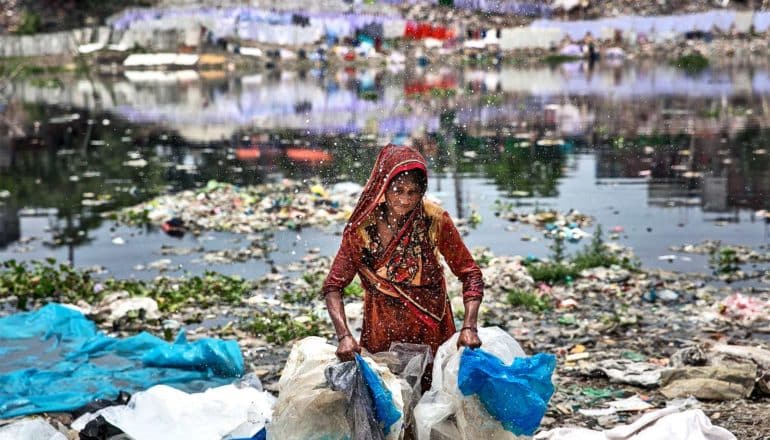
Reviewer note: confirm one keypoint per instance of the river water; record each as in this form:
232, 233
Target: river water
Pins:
670, 157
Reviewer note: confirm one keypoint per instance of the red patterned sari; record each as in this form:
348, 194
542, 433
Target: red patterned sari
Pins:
405, 299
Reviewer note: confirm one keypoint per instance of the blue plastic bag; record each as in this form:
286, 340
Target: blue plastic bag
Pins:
517, 395
384, 408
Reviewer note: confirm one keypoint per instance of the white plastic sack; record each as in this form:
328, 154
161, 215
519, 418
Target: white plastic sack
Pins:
444, 399
307, 408
165, 412
668, 423
30, 429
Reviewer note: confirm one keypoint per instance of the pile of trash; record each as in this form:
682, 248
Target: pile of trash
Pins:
225, 207
376, 396
567, 225
628, 342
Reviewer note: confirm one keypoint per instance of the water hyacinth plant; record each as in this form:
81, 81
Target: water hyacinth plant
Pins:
46, 281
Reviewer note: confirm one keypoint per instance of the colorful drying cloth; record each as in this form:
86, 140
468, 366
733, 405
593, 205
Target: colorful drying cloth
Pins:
54, 359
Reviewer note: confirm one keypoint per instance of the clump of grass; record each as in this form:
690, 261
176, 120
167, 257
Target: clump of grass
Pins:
282, 327
551, 272
561, 270
557, 247
531, 301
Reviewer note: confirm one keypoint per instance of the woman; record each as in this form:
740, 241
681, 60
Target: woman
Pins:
392, 242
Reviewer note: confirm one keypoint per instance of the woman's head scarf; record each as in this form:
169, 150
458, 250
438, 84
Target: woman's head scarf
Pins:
393, 159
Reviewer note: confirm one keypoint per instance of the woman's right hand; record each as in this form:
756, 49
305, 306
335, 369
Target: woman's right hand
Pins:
347, 348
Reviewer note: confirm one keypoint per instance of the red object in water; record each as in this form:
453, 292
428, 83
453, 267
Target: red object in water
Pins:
248, 153
350, 56
419, 87
173, 227
307, 155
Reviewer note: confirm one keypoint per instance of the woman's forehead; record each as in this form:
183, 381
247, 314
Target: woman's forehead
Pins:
405, 179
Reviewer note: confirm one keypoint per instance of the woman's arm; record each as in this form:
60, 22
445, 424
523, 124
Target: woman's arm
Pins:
461, 262
340, 274
347, 343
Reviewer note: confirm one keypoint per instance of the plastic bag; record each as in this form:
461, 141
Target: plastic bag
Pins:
306, 408
370, 408
443, 412
165, 412
385, 410
309, 409
30, 429
677, 421
517, 394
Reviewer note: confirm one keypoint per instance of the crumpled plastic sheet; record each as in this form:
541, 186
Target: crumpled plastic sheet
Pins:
346, 378
370, 409
385, 410
30, 429
408, 362
517, 394
309, 409
237, 410
675, 422
443, 412
54, 359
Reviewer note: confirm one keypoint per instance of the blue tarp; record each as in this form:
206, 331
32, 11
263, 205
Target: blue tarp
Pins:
54, 359
516, 395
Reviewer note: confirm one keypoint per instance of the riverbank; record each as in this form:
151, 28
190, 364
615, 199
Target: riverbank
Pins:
573, 320
606, 318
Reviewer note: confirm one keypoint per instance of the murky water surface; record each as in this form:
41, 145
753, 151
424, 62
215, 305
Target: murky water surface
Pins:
671, 158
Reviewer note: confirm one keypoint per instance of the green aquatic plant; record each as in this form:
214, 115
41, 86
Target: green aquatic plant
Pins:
724, 260
45, 280
354, 289
282, 327
691, 63
559, 59
40, 282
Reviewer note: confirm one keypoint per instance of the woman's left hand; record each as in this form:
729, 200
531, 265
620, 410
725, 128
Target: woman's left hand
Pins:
468, 338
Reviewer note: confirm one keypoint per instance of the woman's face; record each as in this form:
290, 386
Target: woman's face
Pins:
403, 194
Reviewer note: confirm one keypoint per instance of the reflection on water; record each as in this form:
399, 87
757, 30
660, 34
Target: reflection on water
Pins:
651, 134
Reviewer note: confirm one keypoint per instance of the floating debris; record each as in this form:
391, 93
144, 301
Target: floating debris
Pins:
226, 207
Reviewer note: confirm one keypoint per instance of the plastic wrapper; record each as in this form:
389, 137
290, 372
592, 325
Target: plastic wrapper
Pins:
444, 413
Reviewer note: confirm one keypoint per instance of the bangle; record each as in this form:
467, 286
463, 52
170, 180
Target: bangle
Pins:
340, 338
471, 328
